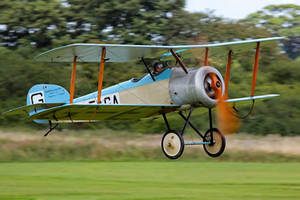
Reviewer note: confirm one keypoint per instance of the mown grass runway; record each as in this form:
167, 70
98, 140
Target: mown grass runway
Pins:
149, 180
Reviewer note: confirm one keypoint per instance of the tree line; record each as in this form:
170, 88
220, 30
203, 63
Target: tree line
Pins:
30, 27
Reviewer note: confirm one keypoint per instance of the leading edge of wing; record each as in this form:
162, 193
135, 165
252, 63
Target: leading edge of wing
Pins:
122, 52
28, 108
253, 98
102, 111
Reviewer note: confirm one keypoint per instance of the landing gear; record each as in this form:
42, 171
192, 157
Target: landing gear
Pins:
172, 143
217, 142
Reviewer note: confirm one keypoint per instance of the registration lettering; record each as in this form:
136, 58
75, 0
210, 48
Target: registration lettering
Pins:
113, 98
37, 97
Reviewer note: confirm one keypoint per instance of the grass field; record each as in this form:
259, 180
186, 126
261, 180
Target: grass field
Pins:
108, 145
149, 180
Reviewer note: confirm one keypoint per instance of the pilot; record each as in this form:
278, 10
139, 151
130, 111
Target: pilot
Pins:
158, 68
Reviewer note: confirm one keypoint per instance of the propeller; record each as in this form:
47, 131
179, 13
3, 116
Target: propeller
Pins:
227, 119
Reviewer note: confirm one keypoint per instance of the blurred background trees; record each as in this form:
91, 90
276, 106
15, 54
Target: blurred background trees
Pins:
281, 20
30, 27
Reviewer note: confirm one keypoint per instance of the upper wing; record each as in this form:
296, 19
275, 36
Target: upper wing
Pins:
75, 112
125, 53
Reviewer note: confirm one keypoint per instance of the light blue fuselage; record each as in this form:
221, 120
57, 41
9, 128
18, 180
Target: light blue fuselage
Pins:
49, 93
126, 85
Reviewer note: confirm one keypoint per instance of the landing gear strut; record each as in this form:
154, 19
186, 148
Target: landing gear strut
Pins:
172, 143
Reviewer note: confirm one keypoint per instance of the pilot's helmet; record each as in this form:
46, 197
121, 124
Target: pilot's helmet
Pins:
158, 66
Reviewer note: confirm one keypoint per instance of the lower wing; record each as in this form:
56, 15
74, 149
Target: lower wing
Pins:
252, 98
66, 113
87, 112
30, 108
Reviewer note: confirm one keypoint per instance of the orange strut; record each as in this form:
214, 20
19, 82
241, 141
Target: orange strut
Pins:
72, 87
227, 73
101, 72
206, 56
255, 68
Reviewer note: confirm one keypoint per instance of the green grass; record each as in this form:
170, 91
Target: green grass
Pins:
149, 180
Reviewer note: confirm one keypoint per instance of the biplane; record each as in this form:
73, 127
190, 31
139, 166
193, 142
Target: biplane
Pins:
162, 90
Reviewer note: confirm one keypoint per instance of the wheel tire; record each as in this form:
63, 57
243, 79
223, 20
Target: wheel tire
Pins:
172, 144
218, 147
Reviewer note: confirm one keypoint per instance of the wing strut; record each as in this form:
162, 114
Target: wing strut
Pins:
147, 68
72, 86
255, 68
206, 56
101, 72
179, 61
227, 73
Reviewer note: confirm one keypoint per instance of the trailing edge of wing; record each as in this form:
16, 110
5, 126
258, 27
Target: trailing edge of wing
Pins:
93, 112
123, 53
27, 109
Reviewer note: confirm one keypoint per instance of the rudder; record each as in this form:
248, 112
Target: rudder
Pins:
47, 93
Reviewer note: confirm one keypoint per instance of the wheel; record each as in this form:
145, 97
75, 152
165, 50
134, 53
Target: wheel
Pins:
218, 146
172, 144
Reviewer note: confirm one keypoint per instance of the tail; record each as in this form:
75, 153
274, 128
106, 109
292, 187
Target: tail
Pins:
40, 97
47, 93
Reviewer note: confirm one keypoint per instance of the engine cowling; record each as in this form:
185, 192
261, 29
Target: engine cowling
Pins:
194, 88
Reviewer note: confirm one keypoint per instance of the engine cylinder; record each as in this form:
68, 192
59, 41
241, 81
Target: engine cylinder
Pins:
194, 88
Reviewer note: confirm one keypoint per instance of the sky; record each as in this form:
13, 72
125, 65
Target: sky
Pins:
233, 9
